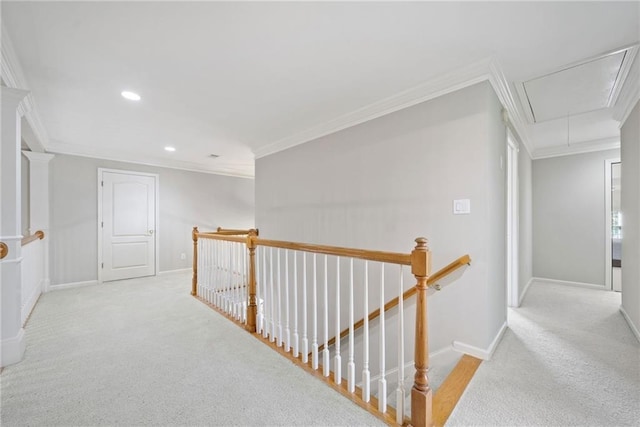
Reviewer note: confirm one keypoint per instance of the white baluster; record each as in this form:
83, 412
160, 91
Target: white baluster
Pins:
351, 364
287, 331
245, 281
326, 361
230, 279
305, 340
258, 290
366, 374
272, 337
265, 297
400, 390
295, 305
382, 382
200, 265
279, 341
314, 337
337, 366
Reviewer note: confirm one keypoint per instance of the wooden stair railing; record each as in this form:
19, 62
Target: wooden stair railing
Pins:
246, 261
431, 282
35, 236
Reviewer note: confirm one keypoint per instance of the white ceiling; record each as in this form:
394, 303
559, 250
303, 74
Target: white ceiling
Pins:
235, 79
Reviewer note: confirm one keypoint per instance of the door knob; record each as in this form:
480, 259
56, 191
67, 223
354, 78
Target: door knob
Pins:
150, 232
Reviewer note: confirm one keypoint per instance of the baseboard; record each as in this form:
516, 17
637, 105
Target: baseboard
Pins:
410, 366
481, 353
72, 285
12, 349
633, 327
31, 302
526, 289
179, 270
569, 283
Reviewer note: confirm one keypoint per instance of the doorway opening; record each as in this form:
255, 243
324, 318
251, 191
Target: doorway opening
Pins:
513, 292
613, 225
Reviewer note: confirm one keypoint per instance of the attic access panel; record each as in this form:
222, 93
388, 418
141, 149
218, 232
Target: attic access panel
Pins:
578, 89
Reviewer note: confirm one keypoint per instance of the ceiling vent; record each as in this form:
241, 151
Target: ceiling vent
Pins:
580, 88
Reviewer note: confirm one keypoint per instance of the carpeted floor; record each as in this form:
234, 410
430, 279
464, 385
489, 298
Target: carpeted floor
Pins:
567, 359
144, 352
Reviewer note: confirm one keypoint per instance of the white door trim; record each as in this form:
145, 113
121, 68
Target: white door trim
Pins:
513, 226
608, 284
156, 238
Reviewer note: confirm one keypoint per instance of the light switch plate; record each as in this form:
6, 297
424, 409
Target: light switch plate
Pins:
461, 207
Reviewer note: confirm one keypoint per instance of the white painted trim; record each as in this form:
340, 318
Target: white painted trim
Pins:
179, 270
156, 238
607, 222
633, 327
569, 283
524, 292
119, 156
14, 77
73, 285
481, 353
9, 260
629, 97
578, 148
630, 56
28, 307
410, 365
436, 87
512, 224
12, 349
515, 120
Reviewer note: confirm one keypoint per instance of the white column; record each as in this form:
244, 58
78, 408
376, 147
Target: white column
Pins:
39, 202
12, 343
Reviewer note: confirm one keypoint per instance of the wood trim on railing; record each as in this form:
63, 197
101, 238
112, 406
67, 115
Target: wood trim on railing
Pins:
389, 257
217, 236
4, 250
431, 281
35, 236
231, 231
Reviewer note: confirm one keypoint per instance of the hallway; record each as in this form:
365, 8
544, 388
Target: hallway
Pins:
568, 358
144, 352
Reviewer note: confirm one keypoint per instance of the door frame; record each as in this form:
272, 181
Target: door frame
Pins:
156, 239
608, 270
512, 223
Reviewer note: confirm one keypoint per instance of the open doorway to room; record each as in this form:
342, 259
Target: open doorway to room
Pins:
513, 297
613, 225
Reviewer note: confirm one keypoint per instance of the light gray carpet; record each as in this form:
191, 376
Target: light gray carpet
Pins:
144, 352
568, 359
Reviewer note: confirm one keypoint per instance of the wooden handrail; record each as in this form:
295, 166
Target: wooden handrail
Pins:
35, 236
389, 257
231, 231
216, 236
431, 281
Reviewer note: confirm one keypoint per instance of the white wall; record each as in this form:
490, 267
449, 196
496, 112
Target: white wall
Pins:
525, 210
569, 217
383, 183
186, 198
630, 156
24, 173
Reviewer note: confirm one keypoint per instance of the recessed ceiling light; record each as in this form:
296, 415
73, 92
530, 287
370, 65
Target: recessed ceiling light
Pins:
132, 96
171, 149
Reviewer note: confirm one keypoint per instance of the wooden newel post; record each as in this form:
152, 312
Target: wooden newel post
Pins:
252, 309
194, 281
421, 393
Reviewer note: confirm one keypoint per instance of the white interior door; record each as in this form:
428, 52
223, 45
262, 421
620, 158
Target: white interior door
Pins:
128, 225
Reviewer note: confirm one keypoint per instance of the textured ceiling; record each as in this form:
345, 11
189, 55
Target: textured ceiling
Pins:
233, 78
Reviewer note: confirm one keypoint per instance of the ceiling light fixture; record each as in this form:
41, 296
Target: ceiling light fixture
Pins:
132, 96
170, 149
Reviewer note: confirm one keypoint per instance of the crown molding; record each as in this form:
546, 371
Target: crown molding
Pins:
629, 94
238, 171
436, 87
14, 77
514, 118
577, 148
487, 69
